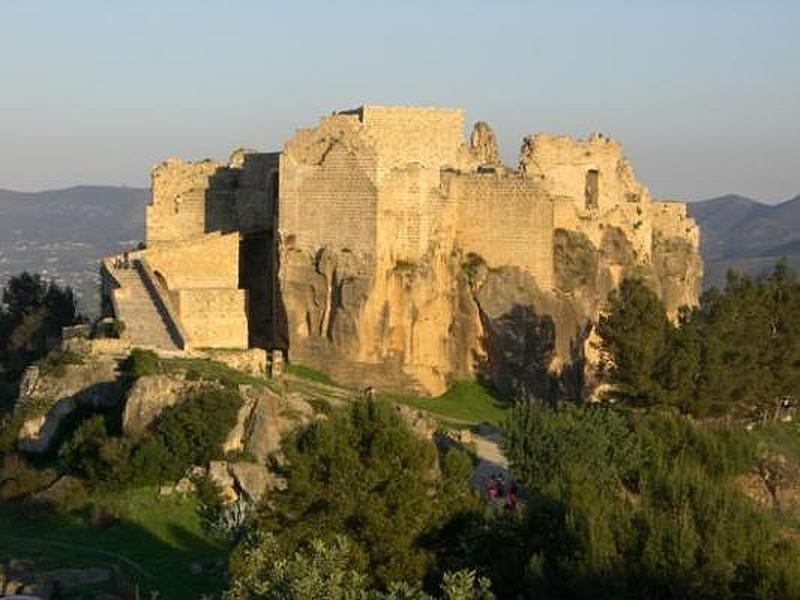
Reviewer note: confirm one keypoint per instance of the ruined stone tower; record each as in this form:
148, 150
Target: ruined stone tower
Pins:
382, 247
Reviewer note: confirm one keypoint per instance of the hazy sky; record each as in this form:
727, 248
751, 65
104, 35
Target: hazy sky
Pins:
704, 94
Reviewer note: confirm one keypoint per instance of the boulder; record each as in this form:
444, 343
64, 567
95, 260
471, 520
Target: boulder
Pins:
254, 480
218, 473
149, 396
183, 487
775, 484
237, 437
48, 399
246, 479
271, 417
421, 423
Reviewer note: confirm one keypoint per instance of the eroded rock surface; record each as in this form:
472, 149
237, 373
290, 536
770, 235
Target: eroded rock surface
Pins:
49, 398
150, 395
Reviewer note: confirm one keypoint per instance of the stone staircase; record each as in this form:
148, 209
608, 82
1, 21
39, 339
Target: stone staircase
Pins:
144, 323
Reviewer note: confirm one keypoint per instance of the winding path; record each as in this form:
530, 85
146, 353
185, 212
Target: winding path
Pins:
491, 459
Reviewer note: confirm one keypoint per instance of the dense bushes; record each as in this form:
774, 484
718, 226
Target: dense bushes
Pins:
190, 432
55, 364
740, 346
18, 477
193, 431
363, 473
626, 505
327, 570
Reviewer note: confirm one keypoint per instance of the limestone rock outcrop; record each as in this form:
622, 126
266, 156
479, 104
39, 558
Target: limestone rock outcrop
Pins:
48, 398
243, 479
150, 395
271, 416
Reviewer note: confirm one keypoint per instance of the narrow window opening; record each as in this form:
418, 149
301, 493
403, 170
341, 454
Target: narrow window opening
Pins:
592, 188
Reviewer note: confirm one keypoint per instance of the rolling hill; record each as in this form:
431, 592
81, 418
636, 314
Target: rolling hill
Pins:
63, 233
745, 235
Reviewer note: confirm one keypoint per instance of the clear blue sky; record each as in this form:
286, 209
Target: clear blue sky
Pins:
704, 94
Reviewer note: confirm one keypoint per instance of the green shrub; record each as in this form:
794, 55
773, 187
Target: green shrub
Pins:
55, 363
93, 453
82, 451
141, 363
329, 570
190, 432
19, 479
627, 505
362, 472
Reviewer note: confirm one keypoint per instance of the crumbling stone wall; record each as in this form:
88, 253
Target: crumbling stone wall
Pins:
201, 280
177, 210
401, 254
190, 199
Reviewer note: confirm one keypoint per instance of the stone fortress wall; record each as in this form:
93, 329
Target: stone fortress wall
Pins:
383, 247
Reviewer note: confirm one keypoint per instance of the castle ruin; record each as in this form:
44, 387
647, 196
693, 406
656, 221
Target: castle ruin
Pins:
382, 247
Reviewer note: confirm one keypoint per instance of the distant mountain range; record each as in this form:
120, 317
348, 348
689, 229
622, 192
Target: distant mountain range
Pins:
63, 233
744, 235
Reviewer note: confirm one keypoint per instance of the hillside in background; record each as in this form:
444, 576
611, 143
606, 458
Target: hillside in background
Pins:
744, 235
63, 233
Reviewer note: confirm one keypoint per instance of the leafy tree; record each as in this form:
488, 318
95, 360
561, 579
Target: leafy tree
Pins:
634, 334
626, 505
33, 310
363, 472
680, 367
739, 347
